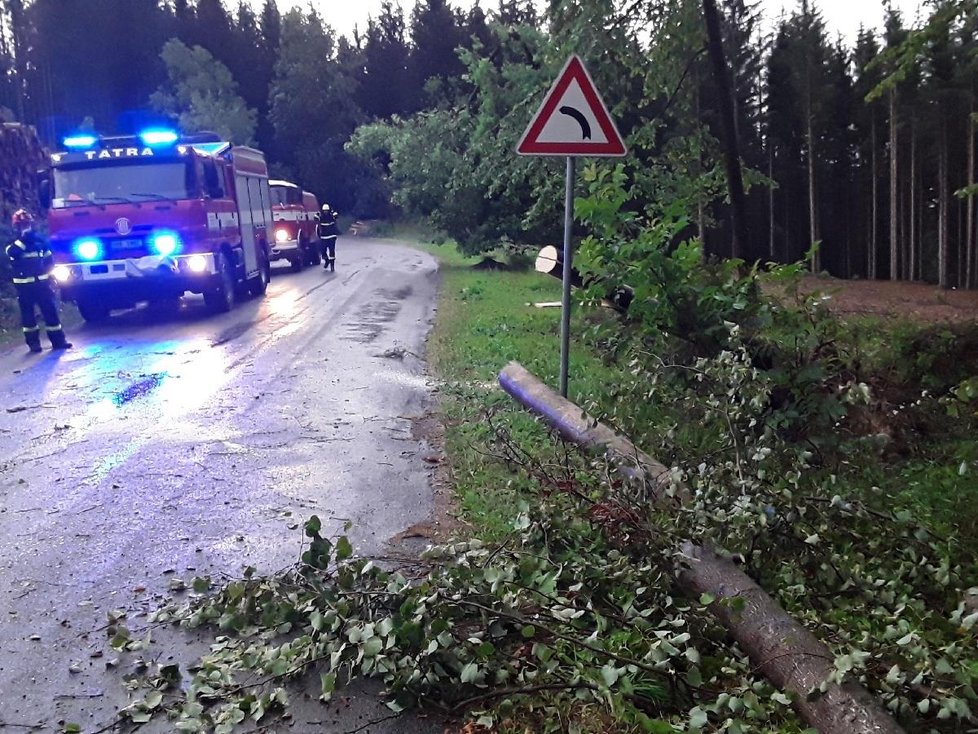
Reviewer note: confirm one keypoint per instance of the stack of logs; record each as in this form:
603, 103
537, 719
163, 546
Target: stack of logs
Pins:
21, 155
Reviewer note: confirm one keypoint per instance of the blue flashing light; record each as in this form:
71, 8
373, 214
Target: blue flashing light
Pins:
88, 248
164, 243
80, 142
158, 137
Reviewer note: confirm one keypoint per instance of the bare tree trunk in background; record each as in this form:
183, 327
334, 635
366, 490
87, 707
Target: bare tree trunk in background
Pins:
912, 264
894, 191
942, 208
770, 199
812, 218
969, 241
735, 178
874, 226
15, 9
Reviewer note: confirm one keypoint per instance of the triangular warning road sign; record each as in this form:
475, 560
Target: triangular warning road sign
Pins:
573, 119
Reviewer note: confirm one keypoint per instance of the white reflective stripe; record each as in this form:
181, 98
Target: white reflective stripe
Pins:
289, 216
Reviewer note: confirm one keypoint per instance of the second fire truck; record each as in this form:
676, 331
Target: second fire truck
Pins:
296, 213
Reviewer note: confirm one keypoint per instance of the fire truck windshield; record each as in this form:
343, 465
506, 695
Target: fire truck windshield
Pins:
121, 183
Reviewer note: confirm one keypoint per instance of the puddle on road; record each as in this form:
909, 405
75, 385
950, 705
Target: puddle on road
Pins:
231, 333
372, 318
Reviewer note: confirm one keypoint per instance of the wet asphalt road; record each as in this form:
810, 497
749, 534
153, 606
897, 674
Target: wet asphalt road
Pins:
183, 443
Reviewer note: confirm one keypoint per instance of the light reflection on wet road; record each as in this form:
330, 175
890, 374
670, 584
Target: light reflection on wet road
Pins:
187, 444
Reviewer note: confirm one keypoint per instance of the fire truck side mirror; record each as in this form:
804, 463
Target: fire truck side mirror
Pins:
43, 189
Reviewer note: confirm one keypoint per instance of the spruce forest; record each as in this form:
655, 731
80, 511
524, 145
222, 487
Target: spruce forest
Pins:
866, 151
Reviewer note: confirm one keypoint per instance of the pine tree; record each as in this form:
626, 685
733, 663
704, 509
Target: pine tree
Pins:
387, 87
436, 33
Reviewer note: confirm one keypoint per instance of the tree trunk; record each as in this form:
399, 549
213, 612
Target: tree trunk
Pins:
18, 39
735, 179
770, 199
894, 189
782, 649
969, 239
812, 218
874, 222
910, 239
942, 207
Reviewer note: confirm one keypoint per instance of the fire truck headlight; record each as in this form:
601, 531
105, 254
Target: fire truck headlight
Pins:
61, 273
282, 235
196, 263
164, 243
88, 248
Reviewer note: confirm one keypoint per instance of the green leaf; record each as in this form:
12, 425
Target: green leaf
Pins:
469, 673
327, 684
609, 674
528, 631
201, 584
153, 699
706, 598
313, 526
343, 548
373, 646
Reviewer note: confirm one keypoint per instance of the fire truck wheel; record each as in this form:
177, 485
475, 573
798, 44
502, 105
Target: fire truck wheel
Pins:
221, 298
259, 284
298, 262
92, 310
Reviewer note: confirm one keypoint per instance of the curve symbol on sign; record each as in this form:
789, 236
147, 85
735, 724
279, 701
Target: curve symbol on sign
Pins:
581, 119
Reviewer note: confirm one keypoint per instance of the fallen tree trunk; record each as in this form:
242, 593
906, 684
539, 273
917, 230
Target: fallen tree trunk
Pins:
782, 649
550, 261
570, 422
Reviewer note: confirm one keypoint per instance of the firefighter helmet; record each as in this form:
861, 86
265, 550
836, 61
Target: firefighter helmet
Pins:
21, 219
326, 209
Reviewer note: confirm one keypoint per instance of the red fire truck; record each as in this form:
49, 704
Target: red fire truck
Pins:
296, 213
150, 217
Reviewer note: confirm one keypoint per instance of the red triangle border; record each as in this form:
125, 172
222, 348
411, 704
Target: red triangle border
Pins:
573, 70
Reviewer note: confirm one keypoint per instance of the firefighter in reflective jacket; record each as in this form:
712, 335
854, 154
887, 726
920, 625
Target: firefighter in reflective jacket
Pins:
327, 230
31, 263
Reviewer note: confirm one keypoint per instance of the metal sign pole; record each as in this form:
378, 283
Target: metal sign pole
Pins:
565, 309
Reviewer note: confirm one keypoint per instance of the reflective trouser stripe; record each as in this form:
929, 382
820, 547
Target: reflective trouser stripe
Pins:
22, 281
30, 329
56, 327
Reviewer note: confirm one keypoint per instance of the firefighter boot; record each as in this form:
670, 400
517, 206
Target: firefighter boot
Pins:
58, 341
33, 339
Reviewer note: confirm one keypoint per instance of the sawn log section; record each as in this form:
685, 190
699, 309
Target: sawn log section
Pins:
781, 648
